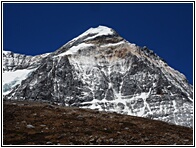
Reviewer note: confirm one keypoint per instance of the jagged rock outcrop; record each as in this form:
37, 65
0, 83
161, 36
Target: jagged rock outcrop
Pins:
101, 70
14, 61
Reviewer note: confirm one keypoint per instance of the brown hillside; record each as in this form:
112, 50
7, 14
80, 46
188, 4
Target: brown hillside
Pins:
34, 123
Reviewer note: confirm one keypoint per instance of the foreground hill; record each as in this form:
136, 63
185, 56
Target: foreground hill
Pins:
35, 123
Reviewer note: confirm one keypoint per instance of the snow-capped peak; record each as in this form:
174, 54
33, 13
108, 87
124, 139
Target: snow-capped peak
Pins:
80, 41
98, 31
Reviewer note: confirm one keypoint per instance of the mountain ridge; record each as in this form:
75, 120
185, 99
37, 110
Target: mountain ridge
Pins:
101, 70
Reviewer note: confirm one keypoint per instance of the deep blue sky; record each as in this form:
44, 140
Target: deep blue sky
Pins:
167, 29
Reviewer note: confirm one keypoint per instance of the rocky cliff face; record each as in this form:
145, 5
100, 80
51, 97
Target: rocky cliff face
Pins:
17, 67
101, 70
14, 61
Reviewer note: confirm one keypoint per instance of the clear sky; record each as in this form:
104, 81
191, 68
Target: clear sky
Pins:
167, 28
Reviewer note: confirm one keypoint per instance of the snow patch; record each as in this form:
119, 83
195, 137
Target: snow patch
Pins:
13, 78
144, 95
99, 31
6, 52
175, 107
113, 44
75, 49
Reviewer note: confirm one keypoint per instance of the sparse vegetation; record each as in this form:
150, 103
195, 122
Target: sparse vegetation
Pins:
35, 123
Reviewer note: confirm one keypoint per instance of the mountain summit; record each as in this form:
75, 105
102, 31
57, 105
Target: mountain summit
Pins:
101, 70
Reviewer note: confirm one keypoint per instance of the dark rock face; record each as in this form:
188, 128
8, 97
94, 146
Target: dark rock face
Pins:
13, 61
105, 72
51, 81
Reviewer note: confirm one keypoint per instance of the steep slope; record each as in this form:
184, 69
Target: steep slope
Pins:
17, 67
101, 70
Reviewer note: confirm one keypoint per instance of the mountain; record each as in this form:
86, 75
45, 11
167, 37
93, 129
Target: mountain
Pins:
17, 67
101, 70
